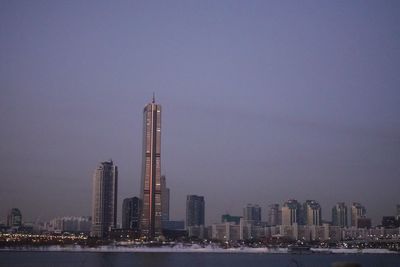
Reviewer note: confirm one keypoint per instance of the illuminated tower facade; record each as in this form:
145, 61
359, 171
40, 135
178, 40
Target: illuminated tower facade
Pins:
151, 211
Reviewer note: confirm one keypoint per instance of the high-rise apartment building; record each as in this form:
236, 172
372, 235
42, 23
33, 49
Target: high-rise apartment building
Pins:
151, 210
311, 213
104, 201
339, 215
14, 218
274, 215
164, 200
358, 211
252, 214
291, 212
195, 207
130, 213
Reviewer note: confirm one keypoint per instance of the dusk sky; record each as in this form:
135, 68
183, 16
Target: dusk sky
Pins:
262, 101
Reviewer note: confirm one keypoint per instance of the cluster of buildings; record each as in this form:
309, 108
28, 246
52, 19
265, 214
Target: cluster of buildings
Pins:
296, 221
147, 217
71, 224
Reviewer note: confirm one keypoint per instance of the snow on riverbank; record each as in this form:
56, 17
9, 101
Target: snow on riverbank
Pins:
187, 249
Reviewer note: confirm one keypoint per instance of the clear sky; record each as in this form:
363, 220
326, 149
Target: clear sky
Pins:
262, 101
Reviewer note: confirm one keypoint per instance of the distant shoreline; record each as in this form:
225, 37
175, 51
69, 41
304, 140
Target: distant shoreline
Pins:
190, 249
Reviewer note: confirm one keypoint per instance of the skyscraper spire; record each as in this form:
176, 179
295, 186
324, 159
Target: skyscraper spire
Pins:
154, 98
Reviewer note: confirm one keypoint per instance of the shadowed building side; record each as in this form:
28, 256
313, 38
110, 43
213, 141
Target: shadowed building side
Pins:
130, 213
195, 213
104, 209
164, 199
339, 215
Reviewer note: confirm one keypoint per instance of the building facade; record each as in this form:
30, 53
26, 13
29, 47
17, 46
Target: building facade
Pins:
311, 213
398, 212
164, 200
358, 211
339, 215
274, 215
104, 201
151, 210
14, 218
131, 213
70, 224
291, 212
252, 214
195, 210
230, 218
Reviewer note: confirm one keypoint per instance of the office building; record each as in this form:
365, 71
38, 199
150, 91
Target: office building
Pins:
291, 212
231, 219
339, 215
131, 213
104, 201
389, 222
311, 213
357, 211
70, 224
274, 215
398, 212
164, 200
195, 210
363, 222
14, 218
174, 225
151, 210
252, 214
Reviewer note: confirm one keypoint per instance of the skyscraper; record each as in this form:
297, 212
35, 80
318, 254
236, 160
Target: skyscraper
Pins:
252, 214
358, 211
14, 218
398, 212
291, 212
130, 213
164, 200
104, 204
274, 215
311, 213
151, 210
339, 215
194, 210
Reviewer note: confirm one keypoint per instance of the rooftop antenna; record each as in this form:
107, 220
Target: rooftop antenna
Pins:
154, 97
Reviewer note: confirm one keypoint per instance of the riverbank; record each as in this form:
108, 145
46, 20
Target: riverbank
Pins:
181, 248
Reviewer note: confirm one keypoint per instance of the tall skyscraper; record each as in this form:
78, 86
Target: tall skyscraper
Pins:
195, 210
339, 215
291, 212
252, 214
14, 218
151, 210
164, 200
311, 213
104, 204
274, 215
358, 211
130, 213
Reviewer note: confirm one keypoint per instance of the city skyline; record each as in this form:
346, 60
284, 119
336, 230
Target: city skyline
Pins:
262, 101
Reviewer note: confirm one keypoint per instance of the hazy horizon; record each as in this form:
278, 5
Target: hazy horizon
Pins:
262, 101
